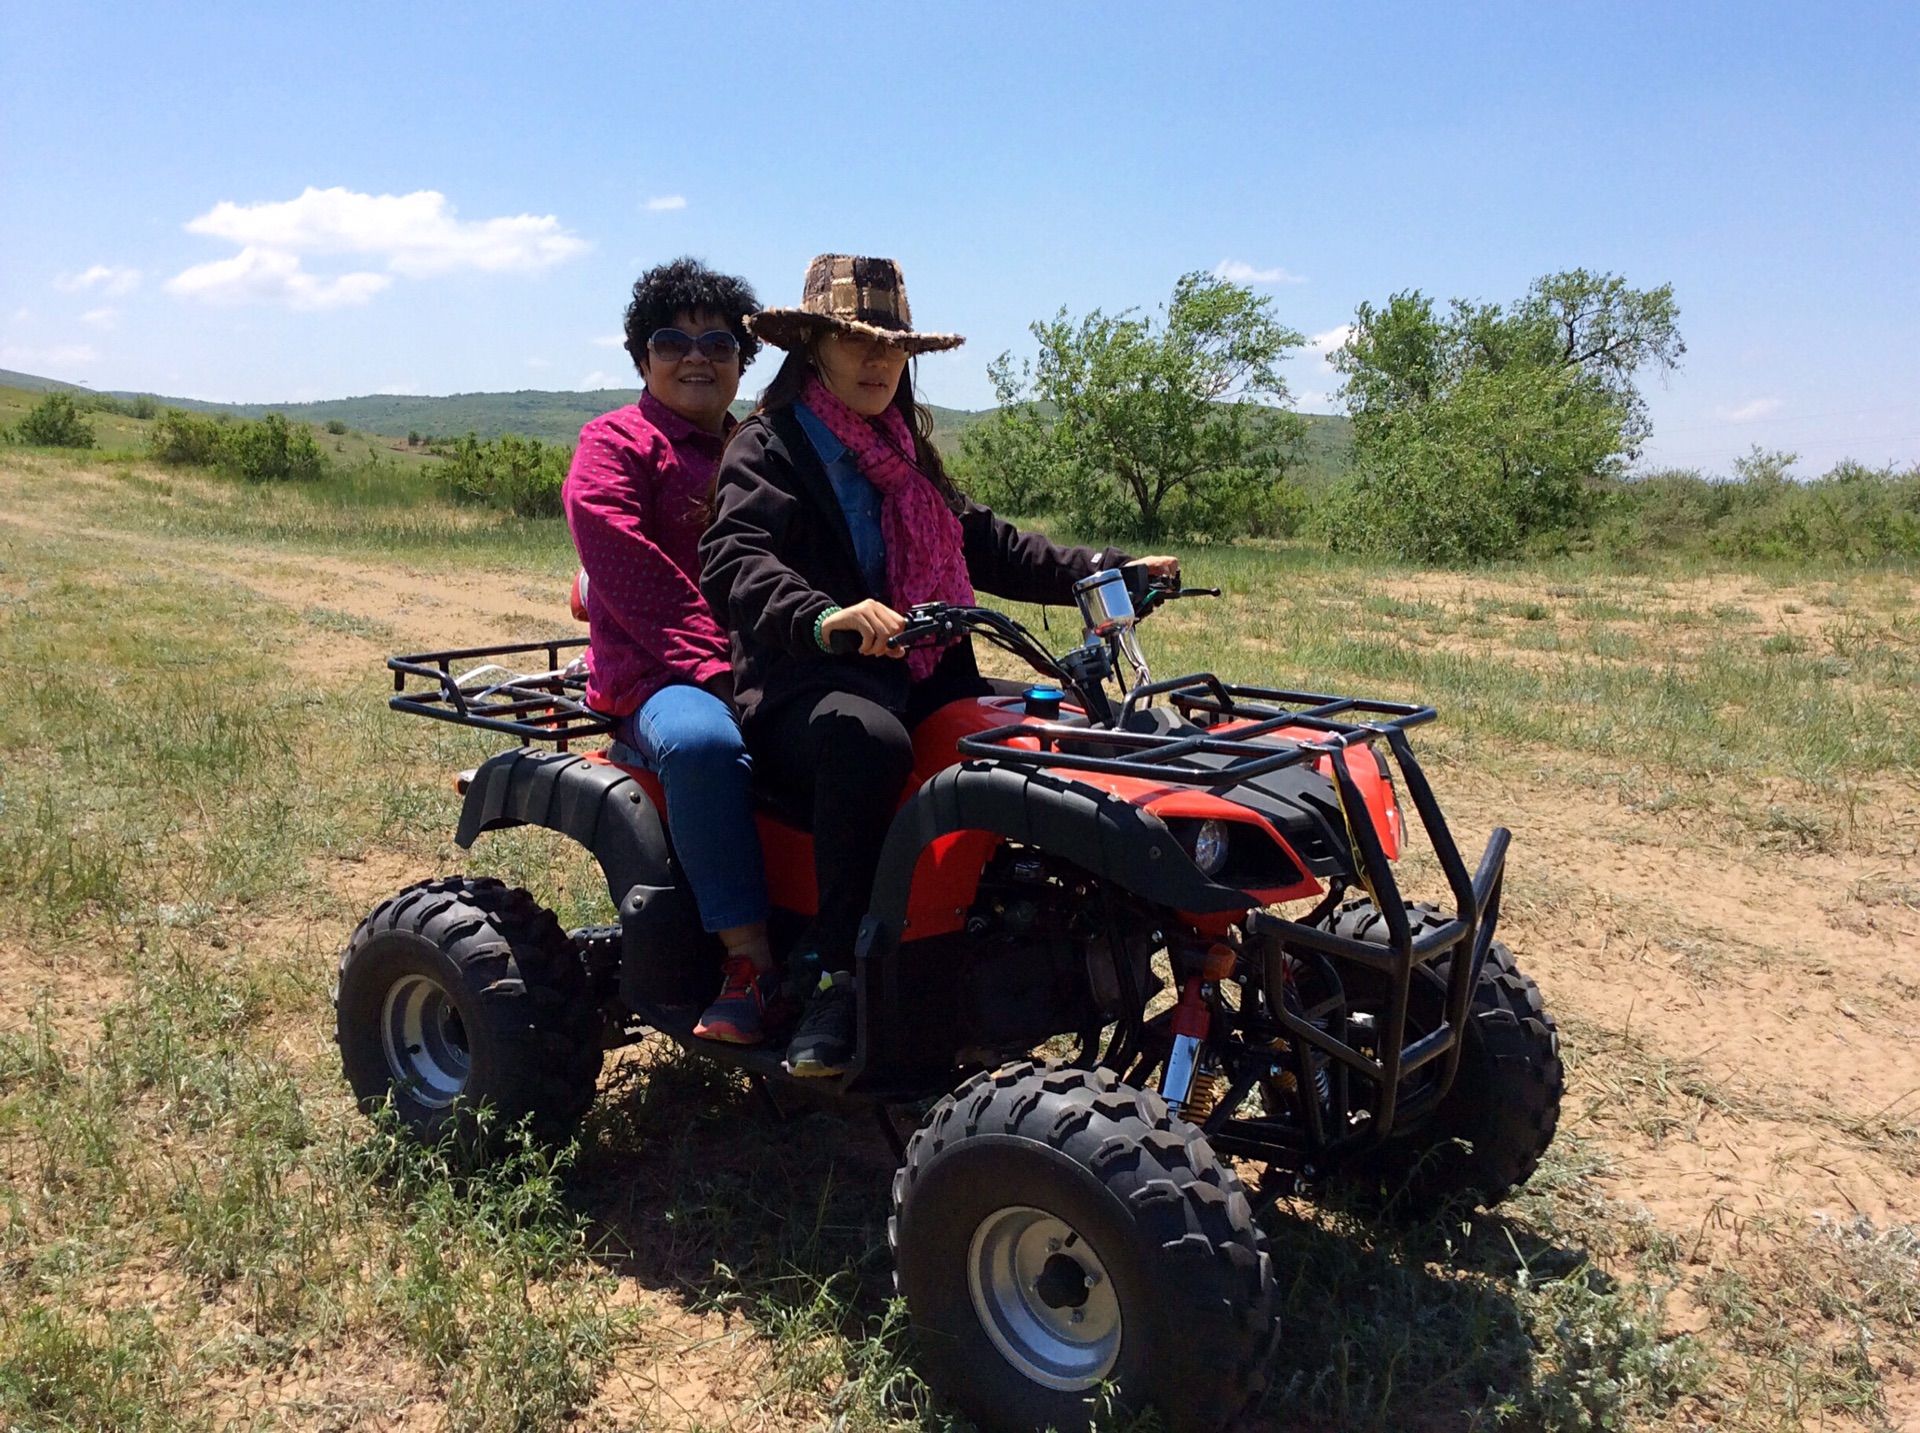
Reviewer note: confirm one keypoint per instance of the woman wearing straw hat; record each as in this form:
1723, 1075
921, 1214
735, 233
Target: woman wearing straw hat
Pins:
833, 513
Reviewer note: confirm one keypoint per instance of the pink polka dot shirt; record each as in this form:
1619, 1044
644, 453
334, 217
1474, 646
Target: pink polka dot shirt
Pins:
634, 498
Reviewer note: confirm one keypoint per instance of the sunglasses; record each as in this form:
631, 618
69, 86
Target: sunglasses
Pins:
669, 345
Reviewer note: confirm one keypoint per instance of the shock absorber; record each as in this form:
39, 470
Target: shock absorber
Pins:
1192, 1084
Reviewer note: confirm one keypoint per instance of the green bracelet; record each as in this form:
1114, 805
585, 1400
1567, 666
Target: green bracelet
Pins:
820, 640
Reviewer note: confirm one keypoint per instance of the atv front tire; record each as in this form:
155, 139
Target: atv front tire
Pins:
1059, 1236
1488, 1133
458, 995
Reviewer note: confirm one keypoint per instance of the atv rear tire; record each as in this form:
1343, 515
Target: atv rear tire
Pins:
458, 995
1056, 1233
1489, 1132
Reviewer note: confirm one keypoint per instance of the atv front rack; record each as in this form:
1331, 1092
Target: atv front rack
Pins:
1308, 1041
545, 705
1253, 750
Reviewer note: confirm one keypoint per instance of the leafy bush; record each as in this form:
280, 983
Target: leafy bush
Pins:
267, 450
336, 427
518, 475
55, 422
1853, 513
272, 450
1012, 461
1501, 465
181, 437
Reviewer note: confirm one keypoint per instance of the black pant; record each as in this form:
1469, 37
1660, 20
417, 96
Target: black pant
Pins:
847, 757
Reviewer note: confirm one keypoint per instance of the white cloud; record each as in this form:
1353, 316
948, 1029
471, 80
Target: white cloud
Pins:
59, 355
101, 317
611, 340
1239, 271
112, 281
663, 203
1750, 410
416, 234
413, 235
1324, 344
260, 275
598, 379
539, 363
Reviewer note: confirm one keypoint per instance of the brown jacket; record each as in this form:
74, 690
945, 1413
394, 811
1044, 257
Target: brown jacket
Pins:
778, 553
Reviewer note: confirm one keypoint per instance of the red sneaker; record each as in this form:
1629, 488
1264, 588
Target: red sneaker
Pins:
738, 1013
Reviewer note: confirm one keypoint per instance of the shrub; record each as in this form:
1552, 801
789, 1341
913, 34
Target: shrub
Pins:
1853, 513
267, 450
336, 427
1013, 462
181, 437
1502, 465
273, 450
518, 475
55, 422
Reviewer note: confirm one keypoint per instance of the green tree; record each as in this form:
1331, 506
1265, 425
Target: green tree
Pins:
55, 422
1012, 461
1159, 427
1484, 430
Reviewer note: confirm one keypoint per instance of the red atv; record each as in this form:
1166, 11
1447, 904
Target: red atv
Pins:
1071, 975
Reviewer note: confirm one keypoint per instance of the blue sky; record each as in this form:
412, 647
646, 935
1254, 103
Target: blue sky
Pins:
489, 179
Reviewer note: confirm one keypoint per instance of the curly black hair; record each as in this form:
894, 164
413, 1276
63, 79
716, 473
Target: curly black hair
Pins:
688, 284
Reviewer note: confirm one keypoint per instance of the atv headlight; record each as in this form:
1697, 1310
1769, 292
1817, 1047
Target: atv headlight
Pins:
1210, 847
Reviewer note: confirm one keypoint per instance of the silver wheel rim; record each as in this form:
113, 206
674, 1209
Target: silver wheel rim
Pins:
1044, 1298
425, 1041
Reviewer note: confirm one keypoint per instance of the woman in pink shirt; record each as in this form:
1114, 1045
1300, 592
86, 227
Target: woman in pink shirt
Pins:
635, 501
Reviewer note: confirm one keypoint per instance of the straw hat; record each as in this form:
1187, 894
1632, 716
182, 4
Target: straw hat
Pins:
861, 296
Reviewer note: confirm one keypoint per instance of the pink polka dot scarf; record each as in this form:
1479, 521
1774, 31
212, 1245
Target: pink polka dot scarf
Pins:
926, 561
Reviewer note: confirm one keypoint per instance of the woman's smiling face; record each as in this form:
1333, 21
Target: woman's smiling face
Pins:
695, 387
863, 373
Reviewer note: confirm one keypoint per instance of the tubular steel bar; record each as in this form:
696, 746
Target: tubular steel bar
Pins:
549, 706
1464, 937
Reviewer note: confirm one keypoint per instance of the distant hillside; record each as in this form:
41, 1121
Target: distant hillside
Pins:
10, 379
556, 417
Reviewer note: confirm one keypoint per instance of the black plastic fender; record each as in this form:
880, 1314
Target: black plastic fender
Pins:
1102, 834
1105, 835
664, 954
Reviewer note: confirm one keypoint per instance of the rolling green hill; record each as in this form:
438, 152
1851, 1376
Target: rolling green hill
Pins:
556, 417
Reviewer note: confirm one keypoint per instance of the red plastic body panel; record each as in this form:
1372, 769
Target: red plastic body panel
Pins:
1369, 774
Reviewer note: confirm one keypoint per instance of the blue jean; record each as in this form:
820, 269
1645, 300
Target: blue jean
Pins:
690, 739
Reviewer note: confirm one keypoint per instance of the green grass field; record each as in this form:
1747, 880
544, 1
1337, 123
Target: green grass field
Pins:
1711, 774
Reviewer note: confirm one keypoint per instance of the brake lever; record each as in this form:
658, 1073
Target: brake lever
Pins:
942, 627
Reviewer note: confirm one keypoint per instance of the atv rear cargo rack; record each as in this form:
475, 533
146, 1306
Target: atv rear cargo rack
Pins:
547, 705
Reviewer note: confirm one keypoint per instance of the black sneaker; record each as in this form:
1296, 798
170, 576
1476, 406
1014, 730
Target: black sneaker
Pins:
823, 1045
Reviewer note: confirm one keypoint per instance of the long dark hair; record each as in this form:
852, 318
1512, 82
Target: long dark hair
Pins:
798, 369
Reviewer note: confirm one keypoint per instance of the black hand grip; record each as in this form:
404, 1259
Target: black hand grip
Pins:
843, 643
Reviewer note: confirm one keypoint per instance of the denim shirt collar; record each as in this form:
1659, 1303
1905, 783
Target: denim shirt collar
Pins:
830, 448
